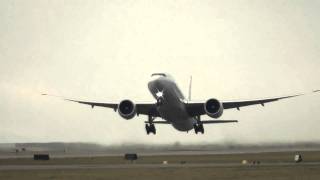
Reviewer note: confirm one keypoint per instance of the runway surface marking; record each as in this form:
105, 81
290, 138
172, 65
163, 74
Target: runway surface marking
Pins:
127, 166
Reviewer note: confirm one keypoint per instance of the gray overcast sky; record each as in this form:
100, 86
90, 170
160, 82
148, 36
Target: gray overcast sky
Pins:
106, 51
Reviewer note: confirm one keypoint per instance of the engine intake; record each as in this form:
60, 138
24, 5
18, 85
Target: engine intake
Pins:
127, 109
213, 108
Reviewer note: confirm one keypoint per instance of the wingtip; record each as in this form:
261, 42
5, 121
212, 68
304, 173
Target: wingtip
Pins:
318, 90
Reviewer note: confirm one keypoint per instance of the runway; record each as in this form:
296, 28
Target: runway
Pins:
274, 165
147, 166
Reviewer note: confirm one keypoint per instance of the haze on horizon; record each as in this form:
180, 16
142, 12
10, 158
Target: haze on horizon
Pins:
107, 50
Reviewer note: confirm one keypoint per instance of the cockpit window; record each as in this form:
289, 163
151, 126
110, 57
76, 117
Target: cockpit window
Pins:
162, 75
159, 74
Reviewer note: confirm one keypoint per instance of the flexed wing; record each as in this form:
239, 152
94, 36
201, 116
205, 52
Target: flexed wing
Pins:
141, 108
238, 104
197, 108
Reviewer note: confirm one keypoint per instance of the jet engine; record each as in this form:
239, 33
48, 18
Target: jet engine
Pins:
213, 108
127, 109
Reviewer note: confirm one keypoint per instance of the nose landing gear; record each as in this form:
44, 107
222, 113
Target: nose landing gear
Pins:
160, 101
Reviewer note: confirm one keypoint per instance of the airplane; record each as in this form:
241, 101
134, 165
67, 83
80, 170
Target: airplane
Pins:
173, 108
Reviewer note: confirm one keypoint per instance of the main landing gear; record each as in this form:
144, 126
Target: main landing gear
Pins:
199, 126
150, 128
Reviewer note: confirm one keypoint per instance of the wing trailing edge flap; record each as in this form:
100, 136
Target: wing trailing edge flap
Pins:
159, 122
218, 121
203, 122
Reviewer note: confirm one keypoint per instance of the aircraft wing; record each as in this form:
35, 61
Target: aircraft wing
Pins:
93, 104
142, 108
196, 109
203, 122
218, 121
238, 104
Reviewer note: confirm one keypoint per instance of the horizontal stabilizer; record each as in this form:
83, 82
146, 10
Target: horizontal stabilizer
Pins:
218, 121
159, 122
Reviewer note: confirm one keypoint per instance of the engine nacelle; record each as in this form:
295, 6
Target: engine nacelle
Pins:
213, 108
127, 109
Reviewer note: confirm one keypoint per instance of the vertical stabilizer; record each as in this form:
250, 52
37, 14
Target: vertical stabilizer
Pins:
190, 86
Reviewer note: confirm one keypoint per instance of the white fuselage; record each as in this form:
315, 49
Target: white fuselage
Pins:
173, 108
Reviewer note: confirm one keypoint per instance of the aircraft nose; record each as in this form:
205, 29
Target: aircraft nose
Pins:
155, 85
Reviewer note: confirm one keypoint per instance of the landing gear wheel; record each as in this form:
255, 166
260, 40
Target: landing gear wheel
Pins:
195, 127
198, 128
201, 129
150, 129
153, 128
